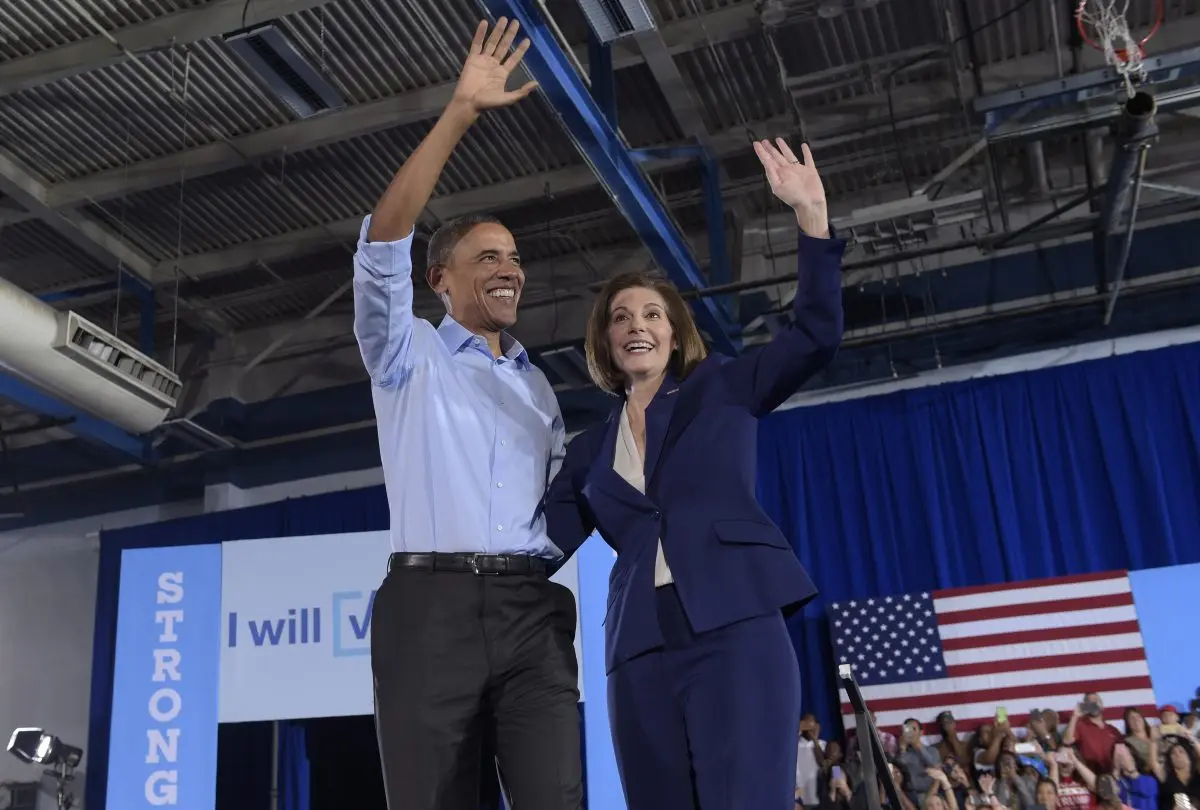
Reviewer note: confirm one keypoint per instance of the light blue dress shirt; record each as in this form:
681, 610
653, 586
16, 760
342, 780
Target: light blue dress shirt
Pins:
468, 442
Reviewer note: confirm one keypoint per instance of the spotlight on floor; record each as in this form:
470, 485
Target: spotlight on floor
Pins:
36, 747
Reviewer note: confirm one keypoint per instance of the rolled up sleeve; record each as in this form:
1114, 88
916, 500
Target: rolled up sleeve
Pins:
383, 300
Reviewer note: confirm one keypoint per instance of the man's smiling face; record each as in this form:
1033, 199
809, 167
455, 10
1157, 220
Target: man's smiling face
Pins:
482, 279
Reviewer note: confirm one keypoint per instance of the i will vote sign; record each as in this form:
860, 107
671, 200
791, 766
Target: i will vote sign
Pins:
251, 630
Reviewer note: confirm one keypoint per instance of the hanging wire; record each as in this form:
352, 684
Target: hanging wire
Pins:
723, 71
125, 160
181, 93
324, 49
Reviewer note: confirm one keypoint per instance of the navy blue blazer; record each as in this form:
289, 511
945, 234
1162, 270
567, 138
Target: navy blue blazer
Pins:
729, 561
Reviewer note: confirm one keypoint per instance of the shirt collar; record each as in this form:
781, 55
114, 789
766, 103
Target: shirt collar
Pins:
457, 337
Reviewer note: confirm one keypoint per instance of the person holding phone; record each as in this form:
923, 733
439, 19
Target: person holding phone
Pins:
951, 747
1043, 728
810, 760
1091, 735
843, 796
919, 760
1126, 786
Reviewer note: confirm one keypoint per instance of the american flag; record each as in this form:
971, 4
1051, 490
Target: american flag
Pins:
1024, 646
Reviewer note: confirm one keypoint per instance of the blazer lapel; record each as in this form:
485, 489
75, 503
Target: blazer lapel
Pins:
608, 448
658, 419
601, 473
685, 402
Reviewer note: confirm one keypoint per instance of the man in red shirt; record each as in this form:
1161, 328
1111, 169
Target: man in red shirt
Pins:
1092, 737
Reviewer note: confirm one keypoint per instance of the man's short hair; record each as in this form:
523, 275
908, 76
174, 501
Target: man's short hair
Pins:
446, 238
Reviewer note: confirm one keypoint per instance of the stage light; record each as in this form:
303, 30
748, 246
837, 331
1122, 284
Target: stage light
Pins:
35, 746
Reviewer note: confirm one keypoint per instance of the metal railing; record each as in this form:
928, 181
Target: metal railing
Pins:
875, 770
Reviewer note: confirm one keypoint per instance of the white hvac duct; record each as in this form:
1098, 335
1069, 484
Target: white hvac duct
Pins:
78, 363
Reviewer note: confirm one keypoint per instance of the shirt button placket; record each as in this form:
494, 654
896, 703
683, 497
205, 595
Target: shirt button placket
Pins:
498, 462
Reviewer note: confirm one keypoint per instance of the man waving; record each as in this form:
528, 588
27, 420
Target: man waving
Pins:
470, 641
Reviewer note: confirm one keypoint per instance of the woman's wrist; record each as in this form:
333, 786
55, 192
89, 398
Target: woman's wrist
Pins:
813, 222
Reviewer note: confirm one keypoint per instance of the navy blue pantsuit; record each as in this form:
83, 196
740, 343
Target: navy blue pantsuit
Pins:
703, 680
709, 720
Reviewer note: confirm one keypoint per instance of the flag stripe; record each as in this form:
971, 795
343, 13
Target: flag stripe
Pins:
1075, 618
971, 715
1017, 721
1033, 593
1052, 609
1032, 663
955, 689
1017, 650
1029, 583
1044, 634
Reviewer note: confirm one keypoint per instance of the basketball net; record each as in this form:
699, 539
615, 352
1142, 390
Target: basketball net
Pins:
1109, 33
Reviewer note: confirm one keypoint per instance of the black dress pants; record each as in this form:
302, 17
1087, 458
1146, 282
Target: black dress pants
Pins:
464, 663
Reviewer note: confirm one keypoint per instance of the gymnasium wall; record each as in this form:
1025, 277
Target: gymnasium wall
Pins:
46, 606
48, 572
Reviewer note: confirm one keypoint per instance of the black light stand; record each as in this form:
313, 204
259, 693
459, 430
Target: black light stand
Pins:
874, 762
36, 747
62, 773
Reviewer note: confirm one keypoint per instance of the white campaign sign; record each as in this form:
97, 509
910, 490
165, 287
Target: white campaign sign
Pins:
296, 613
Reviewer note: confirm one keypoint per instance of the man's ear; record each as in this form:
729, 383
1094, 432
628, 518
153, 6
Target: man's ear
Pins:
435, 276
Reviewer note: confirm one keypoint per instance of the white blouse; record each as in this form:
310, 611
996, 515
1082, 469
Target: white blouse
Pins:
628, 463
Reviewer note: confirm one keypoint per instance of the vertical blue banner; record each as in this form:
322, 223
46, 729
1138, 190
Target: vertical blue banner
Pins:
163, 744
603, 782
1164, 598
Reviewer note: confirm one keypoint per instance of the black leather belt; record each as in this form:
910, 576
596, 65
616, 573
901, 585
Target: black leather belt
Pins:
478, 564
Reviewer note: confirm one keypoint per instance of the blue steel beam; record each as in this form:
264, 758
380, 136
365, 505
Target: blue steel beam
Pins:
604, 81
81, 424
617, 170
77, 292
135, 283
1171, 66
719, 269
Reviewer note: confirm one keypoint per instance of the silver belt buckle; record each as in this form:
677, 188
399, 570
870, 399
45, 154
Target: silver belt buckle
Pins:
475, 568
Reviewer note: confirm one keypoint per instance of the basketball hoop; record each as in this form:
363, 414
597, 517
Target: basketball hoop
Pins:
1103, 25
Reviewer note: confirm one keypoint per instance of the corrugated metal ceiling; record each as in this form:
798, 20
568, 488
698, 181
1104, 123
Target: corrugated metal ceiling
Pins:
176, 98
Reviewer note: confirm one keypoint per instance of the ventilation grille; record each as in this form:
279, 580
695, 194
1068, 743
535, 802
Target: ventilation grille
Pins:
22, 795
613, 19
92, 347
272, 57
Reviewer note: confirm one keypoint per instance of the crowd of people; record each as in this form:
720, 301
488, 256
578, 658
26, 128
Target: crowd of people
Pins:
1142, 763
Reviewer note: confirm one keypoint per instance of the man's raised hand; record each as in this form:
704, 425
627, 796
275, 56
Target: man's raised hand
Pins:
481, 86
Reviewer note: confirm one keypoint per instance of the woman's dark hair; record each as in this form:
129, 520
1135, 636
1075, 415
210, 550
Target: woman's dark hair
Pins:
1188, 749
1129, 713
689, 347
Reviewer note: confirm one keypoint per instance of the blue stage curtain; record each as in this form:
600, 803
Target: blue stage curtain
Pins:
1080, 468
244, 748
293, 767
